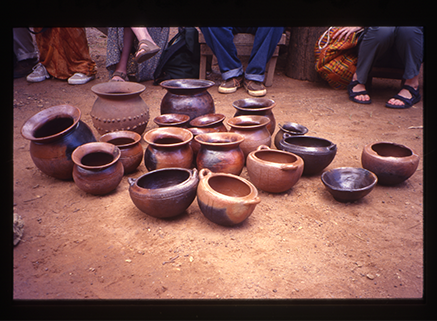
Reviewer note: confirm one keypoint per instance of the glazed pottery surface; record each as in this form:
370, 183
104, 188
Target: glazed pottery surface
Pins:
209, 121
97, 169
130, 147
168, 120
392, 163
220, 152
54, 133
317, 153
274, 171
187, 96
257, 106
254, 130
119, 106
290, 128
348, 184
168, 147
226, 199
165, 192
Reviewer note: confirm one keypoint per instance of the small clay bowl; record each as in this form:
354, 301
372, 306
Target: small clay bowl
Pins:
348, 184
290, 128
172, 120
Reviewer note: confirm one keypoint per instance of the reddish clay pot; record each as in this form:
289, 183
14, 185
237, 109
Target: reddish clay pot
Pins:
168, 147
254, 130
165, 192
119, 106
259, 107
170, 120
54, 133
210, 121
274, 171
226, 199
97, 169
392, 163
220, 152
130, 147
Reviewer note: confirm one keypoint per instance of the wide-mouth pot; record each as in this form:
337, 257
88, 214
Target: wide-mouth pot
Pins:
254, 104
186, 84
171, 120
207, 120
118, 88
168, 136
248, 121
349, 179
96, 155
161, 179
219, 138
122, 138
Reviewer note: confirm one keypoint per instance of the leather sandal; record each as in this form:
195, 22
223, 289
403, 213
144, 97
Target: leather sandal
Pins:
353, 94
143, 54
120, 74
408, 102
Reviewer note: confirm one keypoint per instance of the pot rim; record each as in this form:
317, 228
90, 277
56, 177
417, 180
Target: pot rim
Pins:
256, 101
331, 147
322, 177
34, 122
218, 118
278, 151
191, 174
262, 121
121, 134
118, 88
239, 139
296, 125
186, 84
79, 153
185, 119
372, 152
172, 132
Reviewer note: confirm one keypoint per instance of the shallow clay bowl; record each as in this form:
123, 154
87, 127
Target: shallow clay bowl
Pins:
348, 184
178, 120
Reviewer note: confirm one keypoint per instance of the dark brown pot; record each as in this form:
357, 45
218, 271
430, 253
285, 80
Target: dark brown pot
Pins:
392, 163
168, 147
97, 169
119, 106
259, 107
220, 152
289, 128
130, 147
54, 133
187, 96
170, 120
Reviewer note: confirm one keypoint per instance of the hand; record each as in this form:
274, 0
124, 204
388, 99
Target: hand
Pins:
345, 32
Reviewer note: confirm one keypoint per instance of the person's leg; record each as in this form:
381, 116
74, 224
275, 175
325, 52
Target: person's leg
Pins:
147, 47
24, 51
120, 72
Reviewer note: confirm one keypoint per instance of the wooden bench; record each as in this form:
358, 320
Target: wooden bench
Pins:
243, 42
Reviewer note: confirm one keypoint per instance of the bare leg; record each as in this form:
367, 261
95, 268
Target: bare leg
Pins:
128, 40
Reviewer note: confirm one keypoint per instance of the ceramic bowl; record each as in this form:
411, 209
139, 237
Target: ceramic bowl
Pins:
167, 120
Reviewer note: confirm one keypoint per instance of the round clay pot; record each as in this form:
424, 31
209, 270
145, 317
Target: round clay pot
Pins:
187, 96
317, 153
119, 106
54, 133
225, 199
165, 192
209, 121
168, 147
257, 106
169, 120
220, 152
392, 163
97, 169
130, 147
290, 128
254, 130
274, 171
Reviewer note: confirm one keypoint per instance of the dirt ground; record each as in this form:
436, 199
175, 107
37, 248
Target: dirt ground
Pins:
297, 244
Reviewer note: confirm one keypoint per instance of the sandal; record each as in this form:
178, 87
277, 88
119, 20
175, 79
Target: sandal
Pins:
353, 94
143, 54
120, 74
408, 102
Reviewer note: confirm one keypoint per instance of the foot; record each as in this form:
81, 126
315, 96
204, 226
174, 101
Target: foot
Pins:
403, 93
406, 98
38, 74
24, 67
79, 79
357, 93
146, 50
358, 88
230, 85
119, 76
255, 88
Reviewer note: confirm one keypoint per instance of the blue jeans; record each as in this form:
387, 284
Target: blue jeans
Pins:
221, 42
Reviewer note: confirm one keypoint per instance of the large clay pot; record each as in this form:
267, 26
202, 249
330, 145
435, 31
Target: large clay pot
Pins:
119, 106
226, 199
170, 120
130, 147
392, 163
317, 153
274, 171
168, 147
187, 96
165, 192
54, 133
254, 130
210, 121
97, 169
220, 152
257, 106
290, 128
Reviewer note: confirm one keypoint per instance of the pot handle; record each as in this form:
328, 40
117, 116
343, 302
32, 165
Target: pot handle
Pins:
254, 201
286, 135
204, 172
332, 147
288, 167
261, 147
131, 181
194, 172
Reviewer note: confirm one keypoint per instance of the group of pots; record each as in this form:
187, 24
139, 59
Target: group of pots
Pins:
192, 153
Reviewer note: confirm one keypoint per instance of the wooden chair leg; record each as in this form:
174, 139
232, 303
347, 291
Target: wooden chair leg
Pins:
202, 67
270, 70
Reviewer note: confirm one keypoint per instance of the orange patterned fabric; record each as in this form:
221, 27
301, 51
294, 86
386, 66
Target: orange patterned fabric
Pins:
65, 51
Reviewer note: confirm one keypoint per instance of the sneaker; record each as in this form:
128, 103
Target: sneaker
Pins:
230, 85
79, 79
255, 88
24, 67
38, 74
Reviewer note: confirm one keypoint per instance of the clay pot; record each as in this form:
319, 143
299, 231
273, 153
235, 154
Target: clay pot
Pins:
290, 128
165, 192
210, 121
225, 199
54, 133
348, 184
130, 147
187, 96
169, 120
257, 106
254, 130
119, 106
392, 163
168, 147
317, 153
220, 152
274, 171
97, 169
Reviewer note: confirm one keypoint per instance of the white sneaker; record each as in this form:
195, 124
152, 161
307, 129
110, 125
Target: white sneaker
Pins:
38, 74
79, 79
